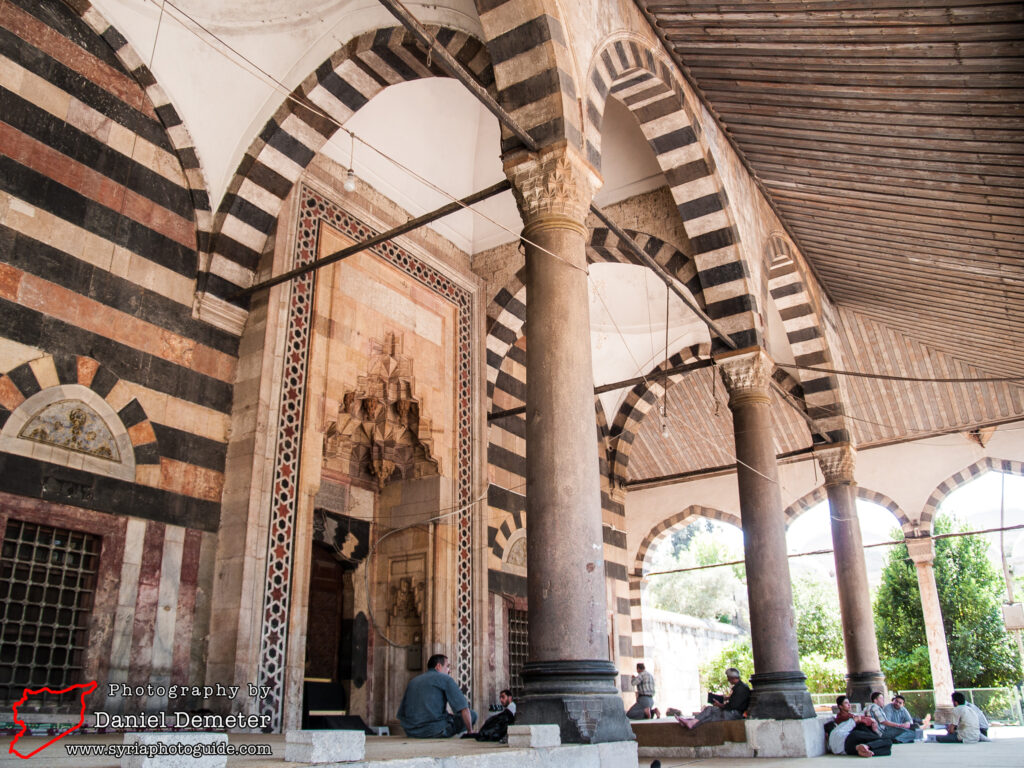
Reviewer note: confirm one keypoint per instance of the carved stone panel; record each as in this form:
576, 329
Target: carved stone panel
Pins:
379, 433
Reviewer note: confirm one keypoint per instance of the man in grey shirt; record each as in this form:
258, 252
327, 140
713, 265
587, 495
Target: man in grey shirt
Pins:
422, 712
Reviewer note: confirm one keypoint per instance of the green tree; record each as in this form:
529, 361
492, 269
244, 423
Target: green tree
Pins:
818, 628
970, 593
714, 594
736, 654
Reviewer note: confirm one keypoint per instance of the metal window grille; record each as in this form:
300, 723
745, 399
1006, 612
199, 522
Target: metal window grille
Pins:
47, 583
517, 649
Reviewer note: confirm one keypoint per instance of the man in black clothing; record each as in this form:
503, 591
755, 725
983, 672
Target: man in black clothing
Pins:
731, 707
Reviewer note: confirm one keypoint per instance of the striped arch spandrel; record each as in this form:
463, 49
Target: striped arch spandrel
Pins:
297, 132
645, 83
800, 312
533, 70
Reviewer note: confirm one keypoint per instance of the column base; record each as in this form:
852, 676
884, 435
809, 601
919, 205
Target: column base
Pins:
580, 697
860, 686
780, 696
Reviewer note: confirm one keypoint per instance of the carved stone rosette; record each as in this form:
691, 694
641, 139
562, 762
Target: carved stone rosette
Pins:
747, 375
555, 183
837, 463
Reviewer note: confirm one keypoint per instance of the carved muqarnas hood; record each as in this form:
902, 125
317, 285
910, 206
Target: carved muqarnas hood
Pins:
380, 434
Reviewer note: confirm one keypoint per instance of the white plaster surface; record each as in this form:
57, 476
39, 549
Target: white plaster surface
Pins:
324, 746
175, 761
786, 738
534, 736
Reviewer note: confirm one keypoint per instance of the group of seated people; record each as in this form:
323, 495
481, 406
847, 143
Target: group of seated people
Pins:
877, 728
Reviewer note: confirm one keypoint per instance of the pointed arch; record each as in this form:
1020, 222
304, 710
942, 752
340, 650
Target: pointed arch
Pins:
961, 478
639, 561
820, 494
294, 135
646, 85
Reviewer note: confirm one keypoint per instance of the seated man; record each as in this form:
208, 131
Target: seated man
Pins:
897, 716
856, 734
422, 711
982, 720
729, 707
965, 728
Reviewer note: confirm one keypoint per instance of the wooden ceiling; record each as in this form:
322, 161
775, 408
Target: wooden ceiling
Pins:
888, 136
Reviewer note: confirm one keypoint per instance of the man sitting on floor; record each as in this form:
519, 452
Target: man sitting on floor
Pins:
898, 716
422, 711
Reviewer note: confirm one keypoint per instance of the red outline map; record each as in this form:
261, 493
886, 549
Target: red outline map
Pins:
87, 688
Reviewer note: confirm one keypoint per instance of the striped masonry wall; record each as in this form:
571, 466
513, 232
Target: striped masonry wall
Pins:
102, 220
646, 85
150, 614
290, 140
961, 478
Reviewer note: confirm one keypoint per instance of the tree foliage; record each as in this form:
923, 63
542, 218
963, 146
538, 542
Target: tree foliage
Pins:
819, 630
970, 594
714, 594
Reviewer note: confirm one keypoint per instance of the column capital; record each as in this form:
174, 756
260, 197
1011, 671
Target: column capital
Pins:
553, 187
921, 550
747, 374
837, 462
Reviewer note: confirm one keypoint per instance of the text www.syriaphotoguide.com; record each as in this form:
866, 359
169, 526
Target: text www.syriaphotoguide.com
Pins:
169, 748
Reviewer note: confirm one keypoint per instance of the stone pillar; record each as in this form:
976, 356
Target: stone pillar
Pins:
863, 670
568, 678
778, 688
922, 551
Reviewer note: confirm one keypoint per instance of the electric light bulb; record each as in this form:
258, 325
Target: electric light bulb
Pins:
349, 185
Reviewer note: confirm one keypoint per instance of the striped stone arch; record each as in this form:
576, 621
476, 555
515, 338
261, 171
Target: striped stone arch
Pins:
636, 577
507, 312
645, 84
298, 130
819, 494
961, 478
180, 140
639, 402
538, 90
60, 375
821, 393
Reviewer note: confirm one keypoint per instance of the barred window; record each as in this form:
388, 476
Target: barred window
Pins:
517, 649
47, 585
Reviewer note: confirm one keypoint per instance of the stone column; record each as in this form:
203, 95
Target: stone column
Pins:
568, 678
778, 688
922, 552
863, 670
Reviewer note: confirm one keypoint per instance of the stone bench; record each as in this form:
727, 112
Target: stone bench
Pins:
667, 738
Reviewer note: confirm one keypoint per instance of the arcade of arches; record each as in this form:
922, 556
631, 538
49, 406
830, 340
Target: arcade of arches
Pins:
312, 486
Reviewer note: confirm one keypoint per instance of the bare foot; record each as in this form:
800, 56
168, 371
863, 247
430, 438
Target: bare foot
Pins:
863, 751
689, 722
926, 723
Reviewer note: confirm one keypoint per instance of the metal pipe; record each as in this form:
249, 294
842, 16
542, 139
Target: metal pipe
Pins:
673, 371
401, 229
449, 64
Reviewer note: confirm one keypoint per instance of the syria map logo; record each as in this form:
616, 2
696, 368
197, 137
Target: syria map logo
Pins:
84, 688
